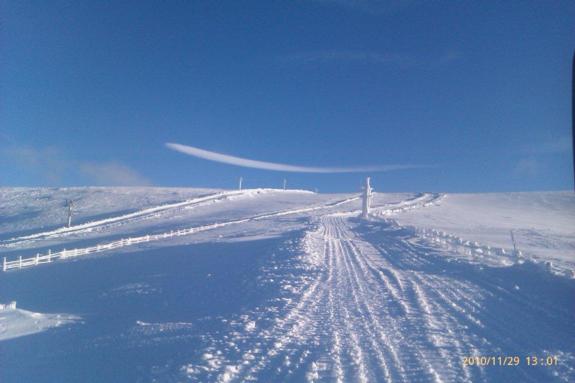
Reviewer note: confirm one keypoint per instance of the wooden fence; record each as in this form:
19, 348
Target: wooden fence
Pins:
50, 256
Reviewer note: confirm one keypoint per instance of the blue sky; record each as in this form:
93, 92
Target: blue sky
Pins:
92, 90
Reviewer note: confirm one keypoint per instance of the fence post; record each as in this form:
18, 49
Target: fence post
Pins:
20, 262
37, 258
4, 264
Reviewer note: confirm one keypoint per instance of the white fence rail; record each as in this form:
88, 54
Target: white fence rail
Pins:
39, 259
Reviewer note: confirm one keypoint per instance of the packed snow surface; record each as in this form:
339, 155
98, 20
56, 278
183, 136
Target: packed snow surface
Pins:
272, 285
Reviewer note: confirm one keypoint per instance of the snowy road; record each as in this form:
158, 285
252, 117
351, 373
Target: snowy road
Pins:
368, 319
390, 311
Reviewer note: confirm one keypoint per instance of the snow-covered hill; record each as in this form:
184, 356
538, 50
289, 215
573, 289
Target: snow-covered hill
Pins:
272, 285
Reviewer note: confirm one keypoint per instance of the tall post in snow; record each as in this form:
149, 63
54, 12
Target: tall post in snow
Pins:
515, 252
366, 199
285, 183
69, 203
240, 183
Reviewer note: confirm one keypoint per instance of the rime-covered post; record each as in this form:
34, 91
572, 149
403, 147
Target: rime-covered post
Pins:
4, 264
285, 183
240, 183
366, 199
69, 203
515, 253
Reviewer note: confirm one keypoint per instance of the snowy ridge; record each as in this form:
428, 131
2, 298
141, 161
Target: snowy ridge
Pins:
142, 214
39, 259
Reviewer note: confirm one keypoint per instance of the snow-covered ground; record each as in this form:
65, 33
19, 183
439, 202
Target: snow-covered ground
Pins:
274, 285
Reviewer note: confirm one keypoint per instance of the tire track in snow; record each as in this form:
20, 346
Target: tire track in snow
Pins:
363, 321
419, 367
365, 311
392, 311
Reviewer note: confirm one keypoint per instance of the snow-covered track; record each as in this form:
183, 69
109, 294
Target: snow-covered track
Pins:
361, 319
390, 310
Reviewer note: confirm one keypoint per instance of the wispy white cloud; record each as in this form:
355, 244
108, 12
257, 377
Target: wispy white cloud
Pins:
449, 57
366, 57
112, 174
535, 158
371, 6
51, 166
248, 163
372, 57
556, 146
528, 167
47, 163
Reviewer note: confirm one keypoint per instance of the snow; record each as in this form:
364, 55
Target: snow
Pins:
15, 322
276, 285
543, 223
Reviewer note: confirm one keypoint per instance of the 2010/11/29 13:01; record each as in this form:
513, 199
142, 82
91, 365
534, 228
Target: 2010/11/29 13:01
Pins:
541, 361
510, 361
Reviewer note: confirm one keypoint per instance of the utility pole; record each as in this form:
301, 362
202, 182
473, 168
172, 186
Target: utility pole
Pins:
240, 183
69, 204
366, 199
285, 183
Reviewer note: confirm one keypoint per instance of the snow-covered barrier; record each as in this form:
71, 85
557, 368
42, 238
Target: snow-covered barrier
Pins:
64, 254
488, 254
423, 200
8, 306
